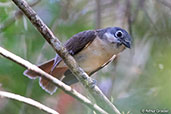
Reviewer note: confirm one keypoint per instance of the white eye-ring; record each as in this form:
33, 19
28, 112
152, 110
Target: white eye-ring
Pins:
119, 34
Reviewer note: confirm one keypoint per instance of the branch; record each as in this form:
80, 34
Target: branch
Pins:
28, 101
88, 83
18, 14
55, 81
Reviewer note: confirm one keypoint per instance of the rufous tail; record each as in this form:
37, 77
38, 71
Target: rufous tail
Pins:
57, 72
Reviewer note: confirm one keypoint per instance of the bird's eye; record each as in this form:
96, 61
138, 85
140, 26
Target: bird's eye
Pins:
119, 34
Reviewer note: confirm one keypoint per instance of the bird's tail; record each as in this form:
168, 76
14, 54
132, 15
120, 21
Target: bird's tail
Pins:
57, 72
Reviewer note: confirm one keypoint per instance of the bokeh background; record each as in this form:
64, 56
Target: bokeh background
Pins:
139, 78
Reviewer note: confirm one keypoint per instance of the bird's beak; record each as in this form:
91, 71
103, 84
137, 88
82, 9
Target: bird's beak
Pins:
126, 43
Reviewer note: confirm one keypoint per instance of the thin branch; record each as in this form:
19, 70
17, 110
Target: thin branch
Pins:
88, 83
28, 101
55, 81
18, 14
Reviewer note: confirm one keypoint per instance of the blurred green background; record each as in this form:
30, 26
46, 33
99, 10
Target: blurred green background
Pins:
138, 79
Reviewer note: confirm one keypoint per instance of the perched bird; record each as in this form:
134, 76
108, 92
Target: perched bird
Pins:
92, 50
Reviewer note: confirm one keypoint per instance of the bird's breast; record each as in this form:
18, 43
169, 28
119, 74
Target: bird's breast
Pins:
94, 55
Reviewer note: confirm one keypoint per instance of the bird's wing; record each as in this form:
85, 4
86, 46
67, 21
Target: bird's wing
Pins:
76, 43
79, 41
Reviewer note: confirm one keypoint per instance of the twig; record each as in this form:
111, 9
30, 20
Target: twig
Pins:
55, 81
88, 83
28, 101
18, 14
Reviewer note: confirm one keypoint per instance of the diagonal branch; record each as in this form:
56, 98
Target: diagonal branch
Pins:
28, 101
55, 81
88, 83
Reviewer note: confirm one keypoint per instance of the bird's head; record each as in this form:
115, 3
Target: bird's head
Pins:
118, 36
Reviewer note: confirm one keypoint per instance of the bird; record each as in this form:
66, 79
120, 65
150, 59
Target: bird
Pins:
92, 50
